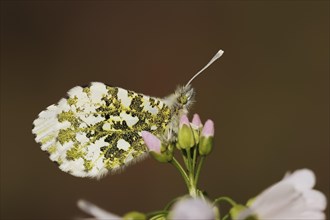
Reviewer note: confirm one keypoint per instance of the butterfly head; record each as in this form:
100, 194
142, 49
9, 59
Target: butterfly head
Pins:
185, 96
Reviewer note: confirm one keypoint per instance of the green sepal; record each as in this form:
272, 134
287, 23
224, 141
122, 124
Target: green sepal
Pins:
205, 145
163, 157
170, 148
250, 201
196, 136
185, 137
134, 216
234, 212
237, 209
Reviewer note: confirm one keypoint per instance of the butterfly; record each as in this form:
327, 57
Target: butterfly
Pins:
97, 129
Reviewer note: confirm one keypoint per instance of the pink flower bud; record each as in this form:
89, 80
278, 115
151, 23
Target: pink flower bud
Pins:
153, 143
184, 120
196, 121
208, 129
185, 134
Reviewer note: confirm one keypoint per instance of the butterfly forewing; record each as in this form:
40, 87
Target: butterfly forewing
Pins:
98, 128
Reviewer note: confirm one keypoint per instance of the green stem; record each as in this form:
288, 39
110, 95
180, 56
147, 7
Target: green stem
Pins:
189, 160
194, 158
159, 216
201, 161
192, 188
200, 194
182, 171
155, 213
217, 213
185, 160
225, 199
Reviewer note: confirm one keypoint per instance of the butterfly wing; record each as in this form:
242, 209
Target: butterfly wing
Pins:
97, 129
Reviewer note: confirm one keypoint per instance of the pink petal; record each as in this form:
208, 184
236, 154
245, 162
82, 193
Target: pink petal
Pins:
197, 121
153, 143
184, 120
208, 129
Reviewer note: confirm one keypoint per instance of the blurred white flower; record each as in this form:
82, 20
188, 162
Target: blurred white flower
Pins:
291, 198
96, 212
192, 209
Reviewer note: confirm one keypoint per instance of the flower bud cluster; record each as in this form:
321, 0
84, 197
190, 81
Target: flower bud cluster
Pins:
190, 134
195, 134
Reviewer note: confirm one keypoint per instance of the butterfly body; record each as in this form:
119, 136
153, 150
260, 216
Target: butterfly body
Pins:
97, 128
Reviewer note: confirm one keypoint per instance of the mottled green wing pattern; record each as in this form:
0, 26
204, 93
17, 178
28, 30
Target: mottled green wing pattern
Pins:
98, 128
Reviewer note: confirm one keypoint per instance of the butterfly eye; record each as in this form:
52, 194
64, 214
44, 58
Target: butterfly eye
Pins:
183, 99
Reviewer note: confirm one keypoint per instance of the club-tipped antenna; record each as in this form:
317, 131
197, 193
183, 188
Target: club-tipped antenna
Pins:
216, 56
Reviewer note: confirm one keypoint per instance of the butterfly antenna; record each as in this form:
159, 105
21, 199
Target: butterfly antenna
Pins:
216, 56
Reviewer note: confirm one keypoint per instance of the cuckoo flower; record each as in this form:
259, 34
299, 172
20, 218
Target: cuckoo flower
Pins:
192, 209
185, 135
196, 122
206, 140
153, 143
196, 126
291, 198
208, 129
156, 149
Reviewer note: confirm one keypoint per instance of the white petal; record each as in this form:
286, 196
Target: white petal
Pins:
95, 211
290, 199
274, 199
292, 210
192, 209
302, 179
315, 200
312, 215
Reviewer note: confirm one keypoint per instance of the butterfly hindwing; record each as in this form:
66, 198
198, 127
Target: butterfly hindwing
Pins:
97, 128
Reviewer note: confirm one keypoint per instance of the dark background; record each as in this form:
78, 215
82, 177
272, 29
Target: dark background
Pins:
268, 94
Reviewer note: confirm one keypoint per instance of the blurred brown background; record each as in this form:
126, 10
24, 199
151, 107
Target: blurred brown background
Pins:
268, 94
